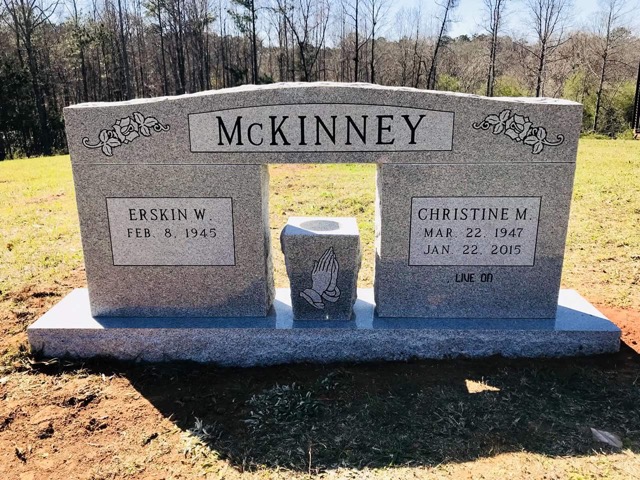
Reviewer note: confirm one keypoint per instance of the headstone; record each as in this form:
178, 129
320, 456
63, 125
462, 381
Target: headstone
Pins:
162, 239
322, 256
472, 209
479, 240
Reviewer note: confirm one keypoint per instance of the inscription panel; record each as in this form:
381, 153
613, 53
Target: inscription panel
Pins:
483, 231
321, 127
171, 231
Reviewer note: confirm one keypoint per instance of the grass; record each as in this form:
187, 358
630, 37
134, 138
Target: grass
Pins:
39, 234
448, 419
603, 247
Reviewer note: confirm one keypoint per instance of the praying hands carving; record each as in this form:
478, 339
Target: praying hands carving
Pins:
324, 278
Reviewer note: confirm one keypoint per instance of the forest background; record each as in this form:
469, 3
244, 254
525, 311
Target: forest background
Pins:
54, 53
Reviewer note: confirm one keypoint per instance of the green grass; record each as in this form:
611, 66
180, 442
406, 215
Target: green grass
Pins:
603, 247
39, 233
40, 242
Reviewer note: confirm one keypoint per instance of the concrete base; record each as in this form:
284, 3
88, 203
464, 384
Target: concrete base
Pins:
69, 330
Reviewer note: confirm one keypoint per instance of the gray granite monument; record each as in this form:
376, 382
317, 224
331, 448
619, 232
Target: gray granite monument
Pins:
472, 209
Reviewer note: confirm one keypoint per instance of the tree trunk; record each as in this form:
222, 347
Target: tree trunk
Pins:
373, 48
165, 83
43, 120
431, 78
540, 73
636, 108
356, 58
125, 57
254, 50
495, 12
491, 77
603, 72
596, 114
83, 70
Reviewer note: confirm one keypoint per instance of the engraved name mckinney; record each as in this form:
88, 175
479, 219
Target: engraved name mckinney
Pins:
316, 130
321, 127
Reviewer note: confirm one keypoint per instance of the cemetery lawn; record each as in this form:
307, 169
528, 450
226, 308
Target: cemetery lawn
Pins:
491, 418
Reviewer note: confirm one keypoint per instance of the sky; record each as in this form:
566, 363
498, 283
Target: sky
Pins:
469, 14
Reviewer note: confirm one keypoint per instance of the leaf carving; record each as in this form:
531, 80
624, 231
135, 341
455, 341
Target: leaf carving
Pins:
139, 118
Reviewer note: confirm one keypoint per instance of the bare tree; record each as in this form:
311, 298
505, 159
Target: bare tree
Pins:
80, 37
307, 20
401, 21
412, 49
123, 52
549, 21
352, 9
495, 11
447, 10
635, 121
246, 22
611, 37
378, 10
176, 23
155, 10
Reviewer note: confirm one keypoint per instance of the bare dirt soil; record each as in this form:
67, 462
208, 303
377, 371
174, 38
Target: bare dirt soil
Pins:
428, 419
628, 321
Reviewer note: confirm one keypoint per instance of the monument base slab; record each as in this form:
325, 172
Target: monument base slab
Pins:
69, 330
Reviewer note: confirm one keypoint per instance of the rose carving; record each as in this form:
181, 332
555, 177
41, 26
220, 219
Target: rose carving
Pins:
124, 131
519, 129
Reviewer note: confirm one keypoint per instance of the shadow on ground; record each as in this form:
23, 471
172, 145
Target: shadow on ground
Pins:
314, 418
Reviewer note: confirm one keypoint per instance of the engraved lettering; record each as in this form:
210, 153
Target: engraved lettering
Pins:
322, 127
384, 128
412, 127
171, 231
250, 137
361, 133
331, 134
302, 141
237, 127
477, 231
278, 130
521, 214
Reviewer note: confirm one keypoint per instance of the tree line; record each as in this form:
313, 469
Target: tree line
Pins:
55, 53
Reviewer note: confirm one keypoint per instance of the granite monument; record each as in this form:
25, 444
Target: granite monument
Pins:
472, 207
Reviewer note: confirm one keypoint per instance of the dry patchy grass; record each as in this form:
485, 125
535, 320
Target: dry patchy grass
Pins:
603, 247
394, 420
